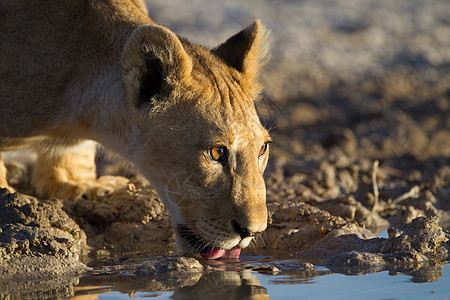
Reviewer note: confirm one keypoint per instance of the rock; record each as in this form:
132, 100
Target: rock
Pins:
168, 267
404, 258
265, 269
296, 226
127, 220
412, 244
350, 209
351, 238
356, 263
308, 232
172, 271
422, 235
38, 239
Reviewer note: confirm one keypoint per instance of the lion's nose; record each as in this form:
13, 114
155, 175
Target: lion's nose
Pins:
243, 232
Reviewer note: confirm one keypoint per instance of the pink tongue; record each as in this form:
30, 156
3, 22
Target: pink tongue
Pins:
214, 253
232, 253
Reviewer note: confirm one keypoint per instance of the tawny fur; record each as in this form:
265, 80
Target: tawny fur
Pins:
75, 71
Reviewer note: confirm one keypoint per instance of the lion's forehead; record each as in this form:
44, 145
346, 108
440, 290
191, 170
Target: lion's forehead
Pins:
247, 128
232, 97
239, 118
226, 98
225, 86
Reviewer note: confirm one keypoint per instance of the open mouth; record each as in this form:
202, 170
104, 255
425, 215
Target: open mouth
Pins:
206, 251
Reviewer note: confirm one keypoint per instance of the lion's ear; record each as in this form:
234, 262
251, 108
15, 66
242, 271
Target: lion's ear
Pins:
245, 50
153, 58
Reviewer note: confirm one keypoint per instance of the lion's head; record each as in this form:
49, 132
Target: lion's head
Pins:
200, 142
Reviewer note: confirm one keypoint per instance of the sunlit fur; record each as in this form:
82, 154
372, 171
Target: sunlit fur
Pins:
70, 79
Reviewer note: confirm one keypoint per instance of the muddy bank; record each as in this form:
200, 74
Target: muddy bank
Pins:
38, 239
41, 239
129, 221
311, 224
303, 231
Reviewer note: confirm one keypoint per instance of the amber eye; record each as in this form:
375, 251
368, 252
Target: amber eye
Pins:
217, 153
262, 150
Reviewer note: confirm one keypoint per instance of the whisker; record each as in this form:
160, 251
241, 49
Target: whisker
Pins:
261, 238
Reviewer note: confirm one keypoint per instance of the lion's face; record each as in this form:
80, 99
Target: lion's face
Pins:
210, 166
202, 145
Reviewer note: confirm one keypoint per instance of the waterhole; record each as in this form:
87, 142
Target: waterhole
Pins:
259, 277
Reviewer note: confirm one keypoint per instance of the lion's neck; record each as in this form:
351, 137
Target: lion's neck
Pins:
102, 113
99, 99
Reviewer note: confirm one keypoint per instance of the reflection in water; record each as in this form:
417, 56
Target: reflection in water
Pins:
251, 279
432, 271
61, 287
427, 271
224, 285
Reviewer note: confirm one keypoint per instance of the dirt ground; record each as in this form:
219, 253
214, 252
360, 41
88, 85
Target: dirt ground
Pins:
357, 102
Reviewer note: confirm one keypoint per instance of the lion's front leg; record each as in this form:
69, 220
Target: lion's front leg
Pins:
70, 173
3, 180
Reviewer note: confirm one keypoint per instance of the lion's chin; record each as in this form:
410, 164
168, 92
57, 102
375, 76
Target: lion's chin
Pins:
207, 252
213, 253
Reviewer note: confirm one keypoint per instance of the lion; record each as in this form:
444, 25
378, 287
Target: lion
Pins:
77, 73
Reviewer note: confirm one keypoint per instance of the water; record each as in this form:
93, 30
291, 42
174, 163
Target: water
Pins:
237, 282
372, 286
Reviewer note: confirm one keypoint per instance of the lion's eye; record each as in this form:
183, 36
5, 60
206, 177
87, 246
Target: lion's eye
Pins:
217, 153
262, 150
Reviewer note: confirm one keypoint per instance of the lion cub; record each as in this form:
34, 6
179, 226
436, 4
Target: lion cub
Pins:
74, 72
